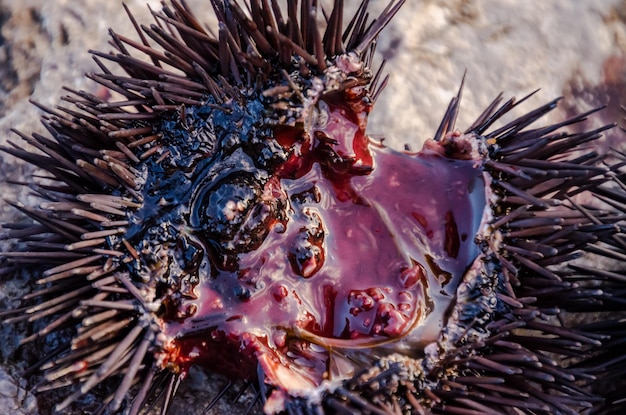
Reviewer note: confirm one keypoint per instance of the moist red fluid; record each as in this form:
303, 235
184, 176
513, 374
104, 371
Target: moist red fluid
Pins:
372, 249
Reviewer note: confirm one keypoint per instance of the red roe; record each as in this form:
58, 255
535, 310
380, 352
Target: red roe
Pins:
362, 245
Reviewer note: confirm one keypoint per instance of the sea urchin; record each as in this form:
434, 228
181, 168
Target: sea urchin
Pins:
229, 211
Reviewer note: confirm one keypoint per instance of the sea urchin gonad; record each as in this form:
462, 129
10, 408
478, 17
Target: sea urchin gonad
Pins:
227, 209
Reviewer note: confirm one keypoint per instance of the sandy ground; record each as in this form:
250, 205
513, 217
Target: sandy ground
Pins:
570, 48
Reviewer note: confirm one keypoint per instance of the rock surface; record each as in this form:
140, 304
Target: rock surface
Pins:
575, 49
14, 398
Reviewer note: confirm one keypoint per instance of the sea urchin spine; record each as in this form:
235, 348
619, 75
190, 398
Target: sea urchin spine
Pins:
229, 211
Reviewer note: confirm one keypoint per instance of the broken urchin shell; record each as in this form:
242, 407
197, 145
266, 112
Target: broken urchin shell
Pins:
227, 210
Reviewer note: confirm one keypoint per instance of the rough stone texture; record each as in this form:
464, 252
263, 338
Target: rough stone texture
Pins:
573, 48
14, 398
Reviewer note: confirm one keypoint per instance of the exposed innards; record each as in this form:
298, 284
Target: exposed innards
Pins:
228, 210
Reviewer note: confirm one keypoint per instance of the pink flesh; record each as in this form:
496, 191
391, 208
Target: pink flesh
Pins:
397, 241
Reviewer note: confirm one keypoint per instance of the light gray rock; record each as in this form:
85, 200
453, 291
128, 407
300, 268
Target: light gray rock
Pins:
14, 398
509, 46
